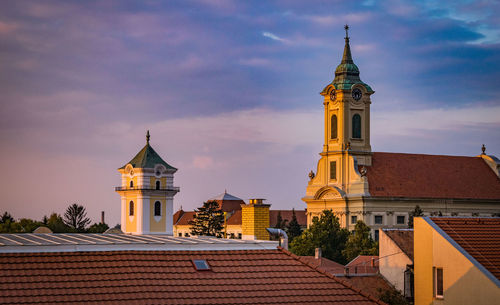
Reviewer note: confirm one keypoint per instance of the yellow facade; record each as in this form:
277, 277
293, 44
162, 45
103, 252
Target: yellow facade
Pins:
157, 223
131, 221
463, 282
255, 220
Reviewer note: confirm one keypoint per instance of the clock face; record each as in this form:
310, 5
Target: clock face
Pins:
356, 94
333, 95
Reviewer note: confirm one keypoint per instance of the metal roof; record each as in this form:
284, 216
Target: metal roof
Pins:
225, 196
67, 242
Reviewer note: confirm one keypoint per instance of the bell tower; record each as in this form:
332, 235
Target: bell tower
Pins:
346, 146
147, 193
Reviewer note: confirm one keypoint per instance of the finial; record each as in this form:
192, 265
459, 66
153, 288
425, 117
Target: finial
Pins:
147, 137
346, 28
311, 175
483, 149
225, 191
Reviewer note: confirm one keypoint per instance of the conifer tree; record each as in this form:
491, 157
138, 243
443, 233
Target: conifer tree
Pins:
280, 223
208, 220
76, 217
360, 243
415, 213
293, 228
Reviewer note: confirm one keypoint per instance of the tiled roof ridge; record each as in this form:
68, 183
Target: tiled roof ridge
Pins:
322, 271
417, 154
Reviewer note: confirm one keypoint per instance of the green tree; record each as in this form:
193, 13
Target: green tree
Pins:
392, 297
415, 213
280, 223
293, 229
76, 217
208, 220
56, 224
6, 217
98, 228
324, 233
29, 225
360, 243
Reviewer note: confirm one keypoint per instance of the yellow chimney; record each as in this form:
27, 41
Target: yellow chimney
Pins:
255, 220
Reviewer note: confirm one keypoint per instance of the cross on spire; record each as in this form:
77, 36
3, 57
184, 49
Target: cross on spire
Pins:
346, 28
147, 137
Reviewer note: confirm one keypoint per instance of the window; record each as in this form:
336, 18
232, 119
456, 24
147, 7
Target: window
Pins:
131, 208
438, 282
356, 126
180, 234
333, 122
157, 208
400, 220
131, 183
186, 234
200, 264
376, 235
333, 170
157, 185
354, 219
232, 236
239, 235
378, 219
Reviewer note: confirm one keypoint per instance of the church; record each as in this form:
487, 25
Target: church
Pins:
382, 188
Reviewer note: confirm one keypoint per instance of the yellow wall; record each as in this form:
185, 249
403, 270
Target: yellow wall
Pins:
463, 282
255, 220
152, 182
153, 224
131, 225
134, 178
393, 261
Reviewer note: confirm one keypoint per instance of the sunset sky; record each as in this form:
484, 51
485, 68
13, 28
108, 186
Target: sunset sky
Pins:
229, 91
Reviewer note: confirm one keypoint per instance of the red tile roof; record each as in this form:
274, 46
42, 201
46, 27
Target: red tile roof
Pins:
235, 218
184, 219
168, 277
403, 239
363, 264
287, 215
480, 237
325, 264
431, 176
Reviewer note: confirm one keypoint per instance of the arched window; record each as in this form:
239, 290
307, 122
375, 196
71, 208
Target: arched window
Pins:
131, 183
131, 208
157, 184
356, 126
157, 208
333, 122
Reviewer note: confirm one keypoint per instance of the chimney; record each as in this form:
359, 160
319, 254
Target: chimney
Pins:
373, 262
317, 253
102, 217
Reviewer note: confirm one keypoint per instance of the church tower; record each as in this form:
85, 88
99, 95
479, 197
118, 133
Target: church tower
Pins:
147, 193
346, 147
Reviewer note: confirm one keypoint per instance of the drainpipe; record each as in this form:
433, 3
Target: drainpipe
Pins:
281, 234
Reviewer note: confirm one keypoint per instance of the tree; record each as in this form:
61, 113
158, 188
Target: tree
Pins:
29, 225
392, 297
293, 228
208, 220
360, 243
324, 233
6, 217
280, 223
56, 224
76, 217
415, 213
98, 228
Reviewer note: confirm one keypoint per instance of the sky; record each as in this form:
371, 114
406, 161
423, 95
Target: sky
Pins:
229, 91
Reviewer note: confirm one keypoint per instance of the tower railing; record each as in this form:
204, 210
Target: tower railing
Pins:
147, 188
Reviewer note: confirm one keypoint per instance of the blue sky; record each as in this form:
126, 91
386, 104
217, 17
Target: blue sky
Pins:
229, 91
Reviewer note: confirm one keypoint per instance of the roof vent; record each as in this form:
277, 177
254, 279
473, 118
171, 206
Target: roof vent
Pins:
200, 264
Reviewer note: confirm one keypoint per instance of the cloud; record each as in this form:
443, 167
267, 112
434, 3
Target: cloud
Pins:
203, 162
272, 36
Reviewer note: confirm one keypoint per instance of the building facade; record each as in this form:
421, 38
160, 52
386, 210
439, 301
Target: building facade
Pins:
382, 188
147, 193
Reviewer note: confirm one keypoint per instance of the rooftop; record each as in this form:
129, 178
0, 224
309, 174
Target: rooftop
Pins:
70, 242
431, 176
169, 277
403, 238
478, 238
362, 264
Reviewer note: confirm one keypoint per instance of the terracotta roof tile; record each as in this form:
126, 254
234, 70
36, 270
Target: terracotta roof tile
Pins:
168, 277
431, 176
403, 239
287, 215
362, 264
185, 218
480, 237
325, 264
235, 219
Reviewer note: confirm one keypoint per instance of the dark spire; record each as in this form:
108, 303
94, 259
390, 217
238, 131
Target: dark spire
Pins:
484, 150
147, 137
347, 57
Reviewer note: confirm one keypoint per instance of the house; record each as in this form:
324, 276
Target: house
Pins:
457, 260
381, 188
232, 205
396, 259
161, 269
